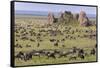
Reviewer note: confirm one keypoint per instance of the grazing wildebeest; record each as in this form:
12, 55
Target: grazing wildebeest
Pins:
40, 40
24, 38
66, 37
56, 44
38, 37
37, 53
17, 35
27, 56
78, 35
16, 39
73, 57
81, 53
81, 56
63, 54
63, 40
58, 41
20, 55
73, 32
52, 40
28, 45
74, 49
38, 44
38, 34
52, 55
63, 45
18, 46
32, 40
92, 52
73, 53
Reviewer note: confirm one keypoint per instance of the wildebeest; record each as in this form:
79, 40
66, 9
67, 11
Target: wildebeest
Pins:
73, 57
56, 44
18, 46
27, 56
52, 40
63, 40
52, 55
63, 54
63, 45
32, 40
74, 49
20, 55
28, 45
38, 53
38, 44
81, 53
92, 52
24, 38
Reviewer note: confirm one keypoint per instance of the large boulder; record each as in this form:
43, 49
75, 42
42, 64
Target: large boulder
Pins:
76, 16
83, 19
60, 19
65, 17
68, 16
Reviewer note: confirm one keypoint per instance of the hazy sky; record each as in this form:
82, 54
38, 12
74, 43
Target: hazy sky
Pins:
53, 8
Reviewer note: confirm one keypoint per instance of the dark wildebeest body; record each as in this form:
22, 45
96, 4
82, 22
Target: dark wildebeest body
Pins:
52, 55
28, 56
52, 40
20, 55
56, 44
38, 44
92, 52
81, 53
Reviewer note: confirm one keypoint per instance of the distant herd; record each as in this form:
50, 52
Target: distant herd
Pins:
74, 53
23, 34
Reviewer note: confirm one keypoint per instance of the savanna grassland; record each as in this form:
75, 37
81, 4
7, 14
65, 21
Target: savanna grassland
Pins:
40, 43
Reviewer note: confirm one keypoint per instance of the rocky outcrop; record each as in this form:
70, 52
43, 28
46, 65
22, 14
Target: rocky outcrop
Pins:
68, 18
83, 19
60, 19
76, 16
65, 17
50, 18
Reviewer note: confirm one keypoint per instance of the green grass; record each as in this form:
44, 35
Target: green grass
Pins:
85, 43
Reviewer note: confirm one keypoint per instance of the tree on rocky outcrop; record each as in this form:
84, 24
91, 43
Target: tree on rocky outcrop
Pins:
67, 18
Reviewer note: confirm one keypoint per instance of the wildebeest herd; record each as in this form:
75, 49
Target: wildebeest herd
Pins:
73, 54
53, 42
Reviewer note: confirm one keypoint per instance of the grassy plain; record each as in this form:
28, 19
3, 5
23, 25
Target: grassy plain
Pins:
37, 22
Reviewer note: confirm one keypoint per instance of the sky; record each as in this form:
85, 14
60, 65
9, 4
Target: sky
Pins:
23, 6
